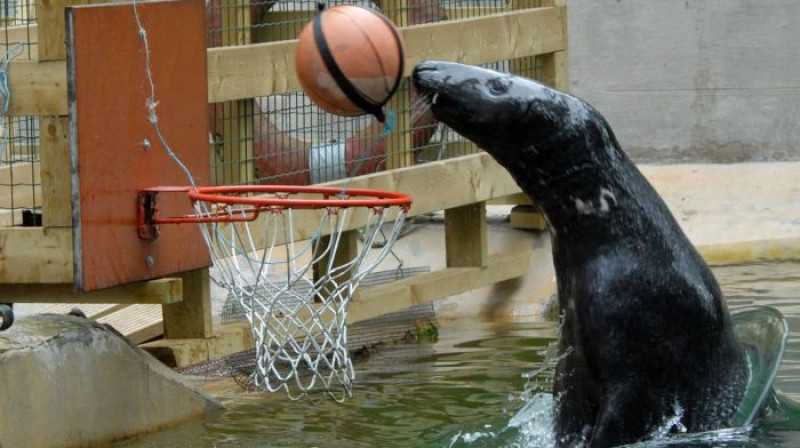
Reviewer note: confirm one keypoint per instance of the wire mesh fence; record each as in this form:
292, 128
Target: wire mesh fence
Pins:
20, 180
279, 139
286, 139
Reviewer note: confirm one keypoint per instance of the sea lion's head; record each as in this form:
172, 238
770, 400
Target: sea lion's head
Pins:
500, 112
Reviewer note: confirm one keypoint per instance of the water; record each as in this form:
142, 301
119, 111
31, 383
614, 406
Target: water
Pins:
472, 389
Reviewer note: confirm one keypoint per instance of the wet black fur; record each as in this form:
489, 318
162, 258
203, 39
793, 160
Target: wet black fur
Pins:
645, 331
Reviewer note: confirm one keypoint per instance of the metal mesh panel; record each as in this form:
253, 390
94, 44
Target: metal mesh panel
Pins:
286, 139
20, 184
20, 181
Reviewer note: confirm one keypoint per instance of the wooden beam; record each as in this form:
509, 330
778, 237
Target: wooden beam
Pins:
527, 217
286, 25
371, 302
55, 171
555, 71
191, 316
466, 236
139, 323
227, 340
492, 38
424, 288
268, 69
234, 120
38, 88
166, 290
35, 255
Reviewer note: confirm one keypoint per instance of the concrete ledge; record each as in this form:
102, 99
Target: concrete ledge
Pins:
743, 252
69, 382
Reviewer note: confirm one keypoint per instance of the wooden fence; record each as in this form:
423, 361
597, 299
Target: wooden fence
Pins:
36, 263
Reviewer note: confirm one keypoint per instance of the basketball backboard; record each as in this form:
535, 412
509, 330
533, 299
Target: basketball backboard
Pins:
115, 149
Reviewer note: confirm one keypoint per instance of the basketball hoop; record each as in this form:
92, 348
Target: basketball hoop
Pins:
294, 290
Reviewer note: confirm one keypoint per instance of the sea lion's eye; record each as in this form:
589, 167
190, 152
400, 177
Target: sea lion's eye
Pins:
499, 85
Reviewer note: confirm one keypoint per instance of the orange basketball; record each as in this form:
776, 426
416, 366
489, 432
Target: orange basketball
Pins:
350, 60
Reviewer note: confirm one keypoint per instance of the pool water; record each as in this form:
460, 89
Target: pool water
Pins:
481, 384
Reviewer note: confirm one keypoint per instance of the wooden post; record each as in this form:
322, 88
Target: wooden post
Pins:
555, 71
233, 120
55, 166
466, 237
190, 318
51, 29
399, 152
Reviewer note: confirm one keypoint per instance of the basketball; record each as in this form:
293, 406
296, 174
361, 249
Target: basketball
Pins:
350, 60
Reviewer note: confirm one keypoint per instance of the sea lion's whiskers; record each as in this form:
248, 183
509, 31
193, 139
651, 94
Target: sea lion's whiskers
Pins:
420, 106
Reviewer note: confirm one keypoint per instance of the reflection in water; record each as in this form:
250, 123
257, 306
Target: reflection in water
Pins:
471, 389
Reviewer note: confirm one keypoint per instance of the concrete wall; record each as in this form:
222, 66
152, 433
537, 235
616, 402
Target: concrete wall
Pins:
69, 382
691, 80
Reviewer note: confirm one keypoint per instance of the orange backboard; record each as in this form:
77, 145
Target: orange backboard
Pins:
115, 150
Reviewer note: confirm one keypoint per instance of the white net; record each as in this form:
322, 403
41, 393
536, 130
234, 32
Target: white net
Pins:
295, 293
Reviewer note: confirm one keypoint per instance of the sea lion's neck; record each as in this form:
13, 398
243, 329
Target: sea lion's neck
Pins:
589, 190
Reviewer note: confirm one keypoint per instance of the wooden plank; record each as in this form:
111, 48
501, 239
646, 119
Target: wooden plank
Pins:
514, 199
371, 302
425, 288
555, 71
466, 236
165, 290
527, 217
492, 38
286, 25
233, 121
27, 35
268, 69
35, 255
55, 171
226, 340
37, 88
190, 317
139, 323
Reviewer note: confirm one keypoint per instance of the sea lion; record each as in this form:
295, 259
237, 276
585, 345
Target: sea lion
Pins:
646, 341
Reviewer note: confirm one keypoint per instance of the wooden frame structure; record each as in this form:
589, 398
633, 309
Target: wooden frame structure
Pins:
36, 263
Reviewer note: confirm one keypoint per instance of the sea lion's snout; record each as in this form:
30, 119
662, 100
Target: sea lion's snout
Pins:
474, 101
428, 77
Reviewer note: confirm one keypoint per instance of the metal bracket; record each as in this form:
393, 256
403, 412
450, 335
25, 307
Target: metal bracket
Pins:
146, 210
